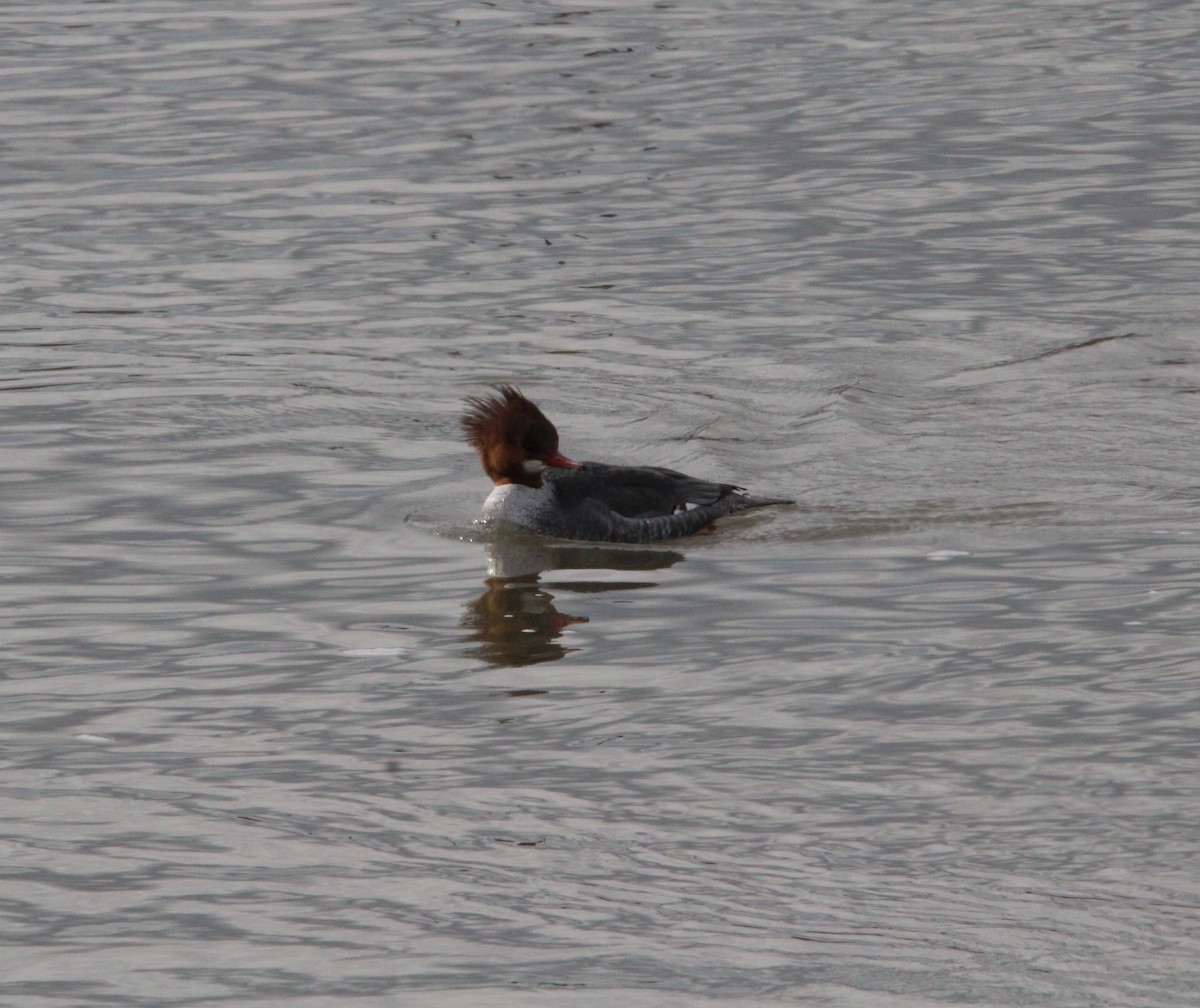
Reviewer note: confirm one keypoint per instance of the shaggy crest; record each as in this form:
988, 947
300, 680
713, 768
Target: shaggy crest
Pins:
514, 439
505, 411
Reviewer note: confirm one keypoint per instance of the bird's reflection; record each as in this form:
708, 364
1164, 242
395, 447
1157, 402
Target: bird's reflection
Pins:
515, 621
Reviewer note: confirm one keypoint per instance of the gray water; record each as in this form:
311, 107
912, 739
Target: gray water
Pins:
283, 727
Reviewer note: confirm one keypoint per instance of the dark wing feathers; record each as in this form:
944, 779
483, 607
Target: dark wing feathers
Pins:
635, 491
638, 504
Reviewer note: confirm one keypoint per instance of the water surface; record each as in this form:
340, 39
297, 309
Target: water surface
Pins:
283, 727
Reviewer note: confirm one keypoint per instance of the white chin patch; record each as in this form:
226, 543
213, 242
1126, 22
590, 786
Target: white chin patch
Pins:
533, 466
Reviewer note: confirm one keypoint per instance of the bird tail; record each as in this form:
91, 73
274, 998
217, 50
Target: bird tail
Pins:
744, 502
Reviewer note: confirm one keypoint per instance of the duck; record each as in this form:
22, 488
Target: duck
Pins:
537, 488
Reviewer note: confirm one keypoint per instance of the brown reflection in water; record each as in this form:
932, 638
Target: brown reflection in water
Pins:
515, 621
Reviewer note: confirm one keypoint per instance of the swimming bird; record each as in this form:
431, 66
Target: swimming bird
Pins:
539, 489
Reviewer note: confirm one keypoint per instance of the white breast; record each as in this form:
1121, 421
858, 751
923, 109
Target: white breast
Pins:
515, 504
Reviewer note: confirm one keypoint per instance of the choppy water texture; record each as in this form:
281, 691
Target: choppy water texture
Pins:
282, 728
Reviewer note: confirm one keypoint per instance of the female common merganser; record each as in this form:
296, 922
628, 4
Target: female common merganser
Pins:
541, 490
